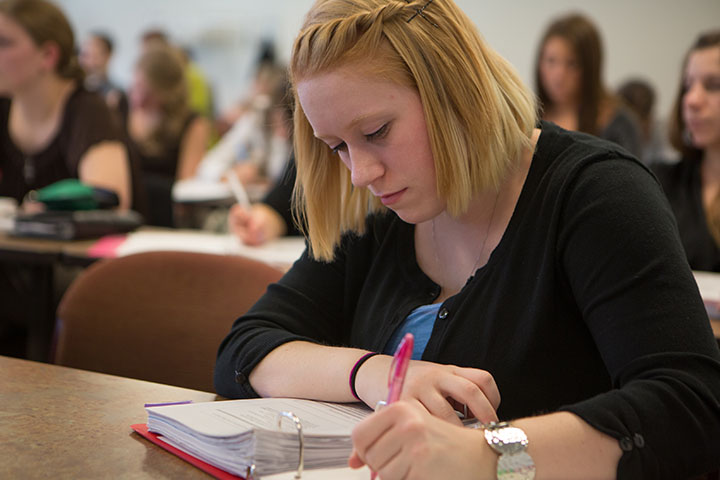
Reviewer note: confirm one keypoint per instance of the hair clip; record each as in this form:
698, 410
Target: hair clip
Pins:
419, 11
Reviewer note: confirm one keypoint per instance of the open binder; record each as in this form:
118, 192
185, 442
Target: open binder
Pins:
255, 438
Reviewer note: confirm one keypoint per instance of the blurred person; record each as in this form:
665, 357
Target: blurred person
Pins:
167, 137
693, 184
639, 95
269, 219
200, 98
268, 75
51, 128
95, 55
569, 84
257, 147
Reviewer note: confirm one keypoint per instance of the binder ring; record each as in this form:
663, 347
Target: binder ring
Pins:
250, 472
301, 443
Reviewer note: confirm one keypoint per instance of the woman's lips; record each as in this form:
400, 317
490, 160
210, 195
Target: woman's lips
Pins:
391, 198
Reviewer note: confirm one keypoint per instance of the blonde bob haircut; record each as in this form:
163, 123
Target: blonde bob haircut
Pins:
479, 115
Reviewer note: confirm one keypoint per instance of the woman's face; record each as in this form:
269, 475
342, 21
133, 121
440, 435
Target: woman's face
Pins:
701, 100
378, 130
21, 61
141, 95
560, 73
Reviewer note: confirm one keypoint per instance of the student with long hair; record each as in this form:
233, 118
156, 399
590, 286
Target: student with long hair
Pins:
51, 128
693, 184
168, 138
516, 252
569, 84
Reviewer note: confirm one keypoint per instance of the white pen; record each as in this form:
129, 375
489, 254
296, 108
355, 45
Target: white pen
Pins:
238, 190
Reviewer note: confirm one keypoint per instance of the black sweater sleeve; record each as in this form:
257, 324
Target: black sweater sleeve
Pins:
665, 401
306, 304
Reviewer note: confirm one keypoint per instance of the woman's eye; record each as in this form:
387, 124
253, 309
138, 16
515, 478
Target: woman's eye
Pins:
337, 148
379, 133
712, 85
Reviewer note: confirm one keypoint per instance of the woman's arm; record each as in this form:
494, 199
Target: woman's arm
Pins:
106, 165
307, 370
192, 147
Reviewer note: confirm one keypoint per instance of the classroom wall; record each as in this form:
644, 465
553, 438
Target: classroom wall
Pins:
642, 37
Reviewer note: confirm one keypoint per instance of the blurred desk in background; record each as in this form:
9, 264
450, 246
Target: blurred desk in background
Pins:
41, 256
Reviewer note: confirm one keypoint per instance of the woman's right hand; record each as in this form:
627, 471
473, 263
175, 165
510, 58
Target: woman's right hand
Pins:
440, 389
256, 225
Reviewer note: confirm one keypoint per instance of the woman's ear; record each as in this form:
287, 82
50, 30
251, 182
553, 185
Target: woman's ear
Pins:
50, 54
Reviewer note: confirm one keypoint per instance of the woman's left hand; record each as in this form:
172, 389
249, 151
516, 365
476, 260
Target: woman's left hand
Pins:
404, 441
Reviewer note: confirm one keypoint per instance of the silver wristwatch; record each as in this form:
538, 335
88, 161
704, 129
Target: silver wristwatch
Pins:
510, 443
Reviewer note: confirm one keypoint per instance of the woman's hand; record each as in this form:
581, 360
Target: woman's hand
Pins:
441, 389
403, 441
256, 225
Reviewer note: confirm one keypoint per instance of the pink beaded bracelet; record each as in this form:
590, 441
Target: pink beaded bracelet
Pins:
355, 368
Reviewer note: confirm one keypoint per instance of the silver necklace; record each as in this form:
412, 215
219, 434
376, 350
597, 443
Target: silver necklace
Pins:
482, 247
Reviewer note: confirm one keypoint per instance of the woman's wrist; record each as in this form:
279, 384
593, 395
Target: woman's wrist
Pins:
487, 460
353, 371
371, 379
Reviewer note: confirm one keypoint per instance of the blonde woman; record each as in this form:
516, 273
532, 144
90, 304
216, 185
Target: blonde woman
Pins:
165, 135
516, 255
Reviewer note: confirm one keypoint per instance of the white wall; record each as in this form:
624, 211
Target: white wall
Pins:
641, 37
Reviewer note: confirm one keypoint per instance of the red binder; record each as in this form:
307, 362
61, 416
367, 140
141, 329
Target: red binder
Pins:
142, 429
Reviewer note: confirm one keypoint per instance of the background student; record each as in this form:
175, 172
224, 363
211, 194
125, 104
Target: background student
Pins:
167, 137
569, 83
693, 184
95, 55
51, 129
270, 219
518, 256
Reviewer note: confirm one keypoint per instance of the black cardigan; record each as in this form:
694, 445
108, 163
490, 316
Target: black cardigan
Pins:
587, 304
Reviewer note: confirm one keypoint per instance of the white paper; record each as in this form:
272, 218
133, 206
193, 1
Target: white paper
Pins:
282, 251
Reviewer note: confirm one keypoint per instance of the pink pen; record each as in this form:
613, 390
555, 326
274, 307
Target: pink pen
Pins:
398, 369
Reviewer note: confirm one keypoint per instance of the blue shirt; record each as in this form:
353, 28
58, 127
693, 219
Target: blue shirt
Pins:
420, 323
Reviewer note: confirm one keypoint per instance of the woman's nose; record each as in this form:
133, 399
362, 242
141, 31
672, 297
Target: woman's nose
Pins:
694, 94
365, 168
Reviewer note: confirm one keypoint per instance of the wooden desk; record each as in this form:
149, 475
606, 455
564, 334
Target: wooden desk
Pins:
65, 423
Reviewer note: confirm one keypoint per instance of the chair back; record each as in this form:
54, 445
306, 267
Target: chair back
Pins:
157, 316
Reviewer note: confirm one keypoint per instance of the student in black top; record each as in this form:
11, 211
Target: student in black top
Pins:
693, 184
165, 135
50, 127
521, 254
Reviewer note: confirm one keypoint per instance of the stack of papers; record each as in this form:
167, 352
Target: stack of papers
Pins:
234, 435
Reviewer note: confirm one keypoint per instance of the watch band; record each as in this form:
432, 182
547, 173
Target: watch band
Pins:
511, 444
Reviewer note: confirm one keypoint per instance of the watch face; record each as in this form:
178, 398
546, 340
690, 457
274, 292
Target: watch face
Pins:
508, 440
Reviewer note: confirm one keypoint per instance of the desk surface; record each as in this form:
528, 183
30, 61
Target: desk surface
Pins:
66, 423
38, 247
